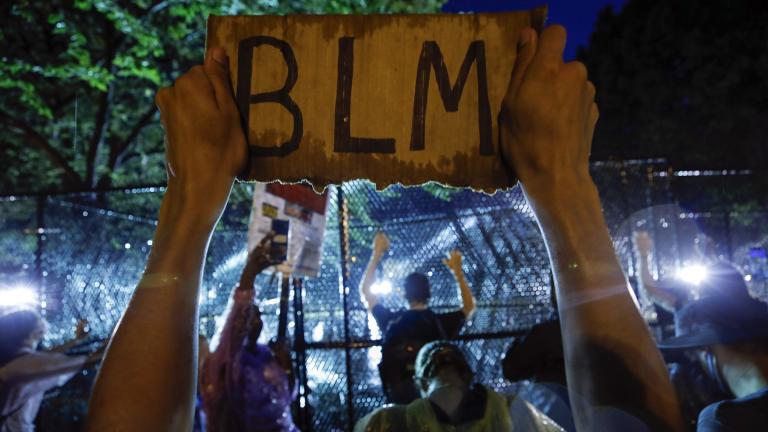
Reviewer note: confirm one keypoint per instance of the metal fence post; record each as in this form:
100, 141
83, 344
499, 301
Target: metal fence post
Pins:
40, 233
300, 350
344, 281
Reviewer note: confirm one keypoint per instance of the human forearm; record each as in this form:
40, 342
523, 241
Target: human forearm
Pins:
147, 380
368, 278
150, 360
608, 347
546, 126
467, 299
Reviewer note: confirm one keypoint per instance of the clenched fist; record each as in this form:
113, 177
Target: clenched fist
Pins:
548, 115
205, 143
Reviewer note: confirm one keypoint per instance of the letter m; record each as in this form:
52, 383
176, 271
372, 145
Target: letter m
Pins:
432, 58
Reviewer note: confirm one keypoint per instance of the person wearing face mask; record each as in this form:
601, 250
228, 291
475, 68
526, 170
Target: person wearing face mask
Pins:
247, 385
26, 372
452, 401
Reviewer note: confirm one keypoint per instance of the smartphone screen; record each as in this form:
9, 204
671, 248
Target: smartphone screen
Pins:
278, 252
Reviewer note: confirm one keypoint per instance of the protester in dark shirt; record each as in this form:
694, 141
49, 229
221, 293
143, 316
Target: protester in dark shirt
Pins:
406, 331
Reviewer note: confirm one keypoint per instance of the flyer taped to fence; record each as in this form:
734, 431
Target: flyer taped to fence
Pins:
305, 212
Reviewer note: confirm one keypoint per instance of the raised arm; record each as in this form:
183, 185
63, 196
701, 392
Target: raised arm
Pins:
647, 284
235, 327
453, 262
380, 247
546, 125
147, 379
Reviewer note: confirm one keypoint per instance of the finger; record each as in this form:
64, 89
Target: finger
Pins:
267, 237
590, 92
216, 66
162, 97
526, 48
550, 47
594, 114
577, 71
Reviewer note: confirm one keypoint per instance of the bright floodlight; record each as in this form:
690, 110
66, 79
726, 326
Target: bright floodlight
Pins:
18, 296
382, 287
692, 274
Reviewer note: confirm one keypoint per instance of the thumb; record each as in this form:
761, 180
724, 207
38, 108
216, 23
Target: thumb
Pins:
526, 48
216, 66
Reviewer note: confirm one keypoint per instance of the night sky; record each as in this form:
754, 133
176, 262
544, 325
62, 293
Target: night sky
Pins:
578, 16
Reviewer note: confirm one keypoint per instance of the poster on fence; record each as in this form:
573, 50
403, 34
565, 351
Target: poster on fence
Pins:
304, 210
390, 98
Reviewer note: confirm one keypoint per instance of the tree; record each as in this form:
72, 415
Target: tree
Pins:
78, 79
684, 80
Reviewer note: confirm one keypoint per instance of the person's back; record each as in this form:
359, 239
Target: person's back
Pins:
405, 334
264, 395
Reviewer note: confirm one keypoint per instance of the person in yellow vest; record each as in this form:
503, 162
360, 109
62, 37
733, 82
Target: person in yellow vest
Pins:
451, 401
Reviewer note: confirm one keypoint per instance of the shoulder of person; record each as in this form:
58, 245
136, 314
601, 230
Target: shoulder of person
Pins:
749, 412
385, 419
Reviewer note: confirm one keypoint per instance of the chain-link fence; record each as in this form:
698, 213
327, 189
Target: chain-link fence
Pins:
84, 254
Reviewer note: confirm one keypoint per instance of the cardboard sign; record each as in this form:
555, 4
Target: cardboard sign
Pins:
390, 98
305, 211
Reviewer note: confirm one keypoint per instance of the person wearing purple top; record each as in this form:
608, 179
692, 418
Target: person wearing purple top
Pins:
247, 385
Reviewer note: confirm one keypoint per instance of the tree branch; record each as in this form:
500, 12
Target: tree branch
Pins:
101, 122
33, 137
117, 149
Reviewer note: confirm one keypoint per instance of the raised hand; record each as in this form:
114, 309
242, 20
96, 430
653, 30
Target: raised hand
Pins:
380, 242
643, 243
205, 144
548, 115
453, 262
261, 251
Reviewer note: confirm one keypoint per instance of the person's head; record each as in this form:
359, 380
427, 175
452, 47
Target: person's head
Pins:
440, 363
255, 324
728, 335
417, 291
19, 329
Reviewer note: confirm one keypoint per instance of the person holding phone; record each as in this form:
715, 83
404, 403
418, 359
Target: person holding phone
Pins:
246, 385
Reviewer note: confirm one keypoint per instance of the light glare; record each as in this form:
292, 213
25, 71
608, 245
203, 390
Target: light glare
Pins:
692, 274
382, 287
18, 296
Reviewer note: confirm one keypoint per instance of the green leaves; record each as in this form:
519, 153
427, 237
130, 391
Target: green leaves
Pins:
63, 59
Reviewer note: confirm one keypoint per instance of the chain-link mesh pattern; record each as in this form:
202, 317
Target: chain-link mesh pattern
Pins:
84, 253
